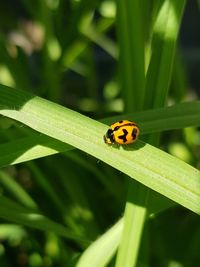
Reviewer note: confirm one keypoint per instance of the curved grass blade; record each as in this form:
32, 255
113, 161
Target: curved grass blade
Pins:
150, 166
150, 121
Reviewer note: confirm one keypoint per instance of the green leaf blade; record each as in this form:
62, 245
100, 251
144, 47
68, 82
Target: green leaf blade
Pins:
148, 165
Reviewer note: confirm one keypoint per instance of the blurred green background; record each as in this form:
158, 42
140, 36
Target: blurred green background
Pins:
67, 51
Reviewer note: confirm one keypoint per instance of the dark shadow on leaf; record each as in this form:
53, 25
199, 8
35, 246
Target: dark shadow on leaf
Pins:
134, 146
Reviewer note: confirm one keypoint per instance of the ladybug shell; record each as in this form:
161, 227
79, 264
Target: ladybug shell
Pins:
122, 132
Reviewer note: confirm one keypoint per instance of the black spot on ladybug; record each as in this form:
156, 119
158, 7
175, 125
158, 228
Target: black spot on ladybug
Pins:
134, 133
116, 128
121, 121
123, 137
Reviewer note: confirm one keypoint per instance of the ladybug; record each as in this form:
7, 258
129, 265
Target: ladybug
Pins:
122, 132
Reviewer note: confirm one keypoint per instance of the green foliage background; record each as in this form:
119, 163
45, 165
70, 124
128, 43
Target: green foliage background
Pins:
68, 69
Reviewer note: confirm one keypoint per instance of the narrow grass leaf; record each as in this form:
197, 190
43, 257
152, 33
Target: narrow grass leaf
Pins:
131, 55
16, 190
28, 148
134, 219
102, 250
165, 34
152, 167
150, 121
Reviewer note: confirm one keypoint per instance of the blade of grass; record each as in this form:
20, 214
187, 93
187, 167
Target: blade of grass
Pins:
134, 219
36, 145
152, 167
17, 191
165, 27
100, 39
129, 25
131, 39
79, 46
29, 148
165, 34
103, 248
